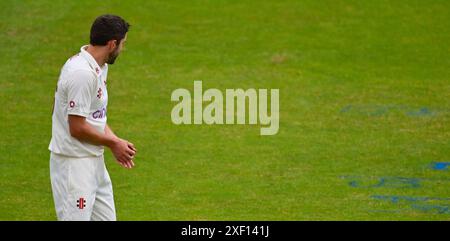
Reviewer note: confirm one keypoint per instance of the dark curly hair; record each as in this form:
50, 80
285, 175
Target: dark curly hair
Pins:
108, 27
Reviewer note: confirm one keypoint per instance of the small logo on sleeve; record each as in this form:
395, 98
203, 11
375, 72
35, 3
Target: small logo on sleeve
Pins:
81, 203
72, 104
99, 114
99, 93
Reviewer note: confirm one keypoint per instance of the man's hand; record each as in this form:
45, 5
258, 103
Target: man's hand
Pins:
124, 152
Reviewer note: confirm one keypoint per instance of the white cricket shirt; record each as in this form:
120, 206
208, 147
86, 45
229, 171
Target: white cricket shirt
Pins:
81, 91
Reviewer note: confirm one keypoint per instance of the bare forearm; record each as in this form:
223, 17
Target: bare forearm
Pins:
123, 150
108, 131
87, 133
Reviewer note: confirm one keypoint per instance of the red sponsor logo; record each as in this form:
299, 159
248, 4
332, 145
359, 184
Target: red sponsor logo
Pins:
99, 93
81, 203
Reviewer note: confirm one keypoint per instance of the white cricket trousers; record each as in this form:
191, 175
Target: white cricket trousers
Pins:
82, 189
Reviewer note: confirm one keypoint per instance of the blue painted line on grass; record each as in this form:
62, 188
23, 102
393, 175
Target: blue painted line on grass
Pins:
383, 109
424, 111
387, 211
346, 108
440, 166
440, 209
439, 205
396, 199
386, 182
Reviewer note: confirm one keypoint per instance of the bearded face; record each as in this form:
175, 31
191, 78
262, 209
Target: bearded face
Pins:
113, 55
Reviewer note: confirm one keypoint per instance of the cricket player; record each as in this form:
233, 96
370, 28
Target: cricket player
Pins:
81, 185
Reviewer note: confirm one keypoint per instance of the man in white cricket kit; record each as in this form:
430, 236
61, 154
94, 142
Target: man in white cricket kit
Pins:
81, 186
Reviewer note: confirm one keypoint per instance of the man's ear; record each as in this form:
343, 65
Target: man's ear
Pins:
112, 44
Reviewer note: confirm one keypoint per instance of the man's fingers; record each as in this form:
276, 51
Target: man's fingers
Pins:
125, 164
130, 153
121, 163
127, 161
123, 158
130, 164
132, 148
127, 158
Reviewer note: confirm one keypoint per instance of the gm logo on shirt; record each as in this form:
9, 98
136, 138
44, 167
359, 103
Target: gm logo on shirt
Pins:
213, 113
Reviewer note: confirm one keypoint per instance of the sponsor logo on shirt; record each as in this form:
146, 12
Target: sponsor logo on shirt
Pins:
81, 203
98, 114
99, 93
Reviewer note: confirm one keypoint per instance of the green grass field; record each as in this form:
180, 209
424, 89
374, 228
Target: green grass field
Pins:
364, 108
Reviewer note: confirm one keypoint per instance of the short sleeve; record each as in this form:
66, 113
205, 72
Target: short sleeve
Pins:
80, 89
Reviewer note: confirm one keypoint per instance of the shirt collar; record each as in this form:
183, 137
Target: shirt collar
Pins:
92, 62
